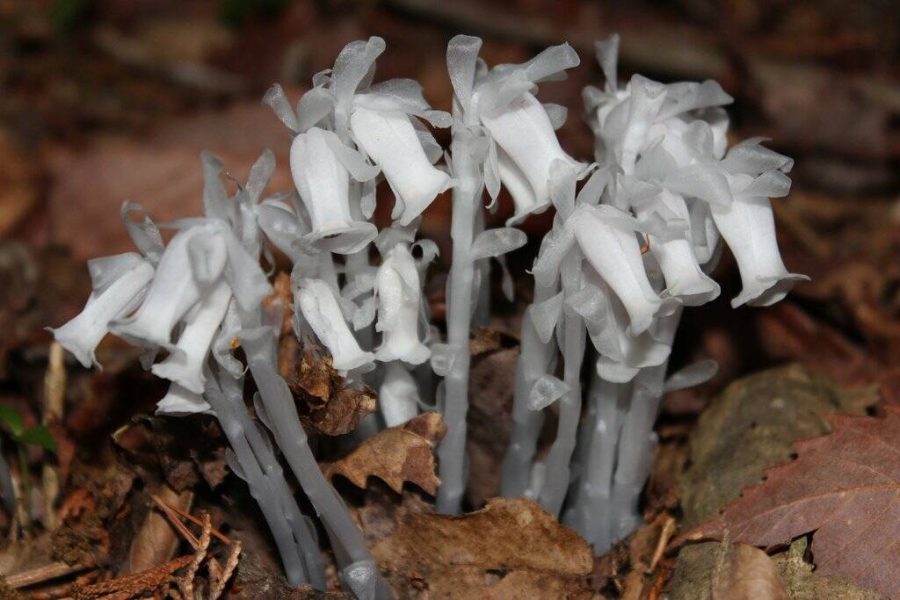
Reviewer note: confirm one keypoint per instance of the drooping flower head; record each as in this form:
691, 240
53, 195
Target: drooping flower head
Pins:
499, 105
343, 121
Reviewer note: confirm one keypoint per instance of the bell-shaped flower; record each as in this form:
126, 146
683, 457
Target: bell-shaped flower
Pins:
521, 133
321, 310
622, 355
195, 256
382, 119
398, 396
399, 294
390, 140
529, 146
322, 167
748, 227
180, 401
665, 217
606, 236
119, 284
628, 120
186, 360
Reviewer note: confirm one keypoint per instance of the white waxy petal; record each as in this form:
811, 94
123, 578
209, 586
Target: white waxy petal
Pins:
546, 390
390, 140
181, 401
524, 131
323, 183
399, 298
184, 365
81, 335
523, 195
398, 396
621, 354
281, 226
321, 310
173, 292
613, 250
748, 227
685, 279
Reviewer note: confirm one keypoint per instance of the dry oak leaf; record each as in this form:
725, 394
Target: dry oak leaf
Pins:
509, 549
845, 487
395, 455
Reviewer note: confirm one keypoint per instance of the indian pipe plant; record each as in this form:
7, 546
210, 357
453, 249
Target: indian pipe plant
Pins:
635, 235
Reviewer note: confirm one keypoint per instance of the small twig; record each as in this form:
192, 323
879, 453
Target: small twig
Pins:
668, 530
167, 508
186, 581
43, 573
130, 586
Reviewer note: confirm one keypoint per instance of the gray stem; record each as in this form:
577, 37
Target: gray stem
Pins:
460, 295
558, 461
358, 568
299, 553
535, 359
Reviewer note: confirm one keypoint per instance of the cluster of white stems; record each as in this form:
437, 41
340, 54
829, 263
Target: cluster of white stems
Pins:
634, 238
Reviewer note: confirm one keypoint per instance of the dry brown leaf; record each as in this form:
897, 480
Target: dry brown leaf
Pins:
327, 404
510, 549
395, 455
746, 573
156, 541
844, 487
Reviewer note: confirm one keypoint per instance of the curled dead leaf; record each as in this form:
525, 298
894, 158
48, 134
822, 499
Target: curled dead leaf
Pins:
510, 549
396, 455
325, 401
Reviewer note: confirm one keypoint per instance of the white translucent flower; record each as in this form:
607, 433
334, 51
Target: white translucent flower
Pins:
529, 145
321, 310
748, 227
606, 236
202, 253
382, 119
390, 140
622, 354
195, 255
685, 117
399, 293
521, 132
322, 167
186, 360
119, 284
180, 401
665, 216
398, 396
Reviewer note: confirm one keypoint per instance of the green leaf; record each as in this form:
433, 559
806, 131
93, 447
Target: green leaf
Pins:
13, 420
39, 436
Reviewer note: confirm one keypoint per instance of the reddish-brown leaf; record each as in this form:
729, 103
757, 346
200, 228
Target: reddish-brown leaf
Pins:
845, 487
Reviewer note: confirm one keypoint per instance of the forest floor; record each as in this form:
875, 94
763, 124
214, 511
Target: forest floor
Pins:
114, 100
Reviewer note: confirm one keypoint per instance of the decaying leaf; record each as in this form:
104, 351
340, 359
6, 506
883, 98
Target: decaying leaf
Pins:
746, 573
156, 447
327, 404
510, 549
395, 455
802, 583
844, 487
763, 415
725, 571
